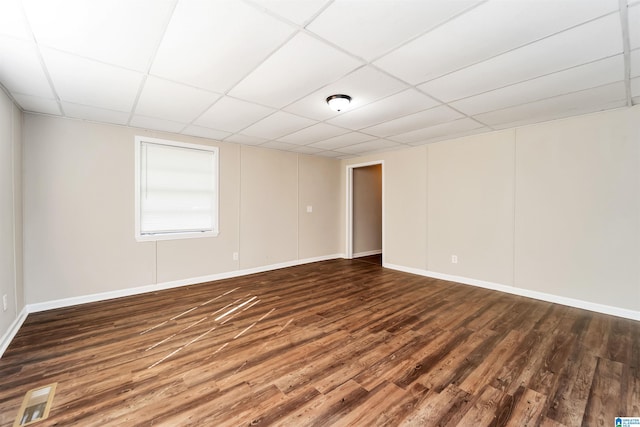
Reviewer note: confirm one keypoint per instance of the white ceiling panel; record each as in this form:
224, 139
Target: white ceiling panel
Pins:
415, 121
452, 134
581, 110
153, 123
94, 114
634, 26
392, 107
370, 28
245, 139
212, 44
318, 132
635, 87
589, 42
259, 71
120, 32
12, 22
300, 67
87, 82
370, 146
232, 114
21, 70
203, 132
334, 154
277, 145
40, 105
364, 85
173, 101
342, 141
305, 149
297, 11
421, 136
635, 63
557, 107
586, 76
277, 125
485, 31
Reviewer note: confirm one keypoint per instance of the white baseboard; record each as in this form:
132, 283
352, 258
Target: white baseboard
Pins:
367, 253
83, 299
571, 302
12, 331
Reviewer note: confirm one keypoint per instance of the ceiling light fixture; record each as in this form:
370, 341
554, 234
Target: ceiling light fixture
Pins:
338, 102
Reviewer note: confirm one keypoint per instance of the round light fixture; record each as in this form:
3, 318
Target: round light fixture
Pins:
338, 102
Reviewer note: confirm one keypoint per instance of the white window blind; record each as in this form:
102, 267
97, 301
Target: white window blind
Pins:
178, 189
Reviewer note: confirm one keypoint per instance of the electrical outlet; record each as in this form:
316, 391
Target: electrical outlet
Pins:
454, 259
309, 209
235, 256
4, 302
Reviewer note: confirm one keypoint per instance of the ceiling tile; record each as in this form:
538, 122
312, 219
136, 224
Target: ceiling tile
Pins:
635, 63
557, 107
232, 114
392, 107
594, 74
364, 85
589, 42
173, 101
634, 26
87, 82
203, 132
12, 21
305, 149
94, 114
21, 70
415, 121
277, 125
244, 139
156, 124
487, 30
329, 153
370, 28
635, 87
36, 104
277, 145
421, 136
342, 141
297, 11
212, 44
300, 67
317, 132
120, 32
370, 146
452, 134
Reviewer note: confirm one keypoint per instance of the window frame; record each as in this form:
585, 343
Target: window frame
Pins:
138, 143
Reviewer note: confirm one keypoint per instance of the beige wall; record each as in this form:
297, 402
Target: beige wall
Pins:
406, 227
268, 207
10, 213
470, 207
79, 212
367, 209
319, 230
552, 208
578, 208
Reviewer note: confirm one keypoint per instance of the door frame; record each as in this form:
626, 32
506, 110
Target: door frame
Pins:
349, 206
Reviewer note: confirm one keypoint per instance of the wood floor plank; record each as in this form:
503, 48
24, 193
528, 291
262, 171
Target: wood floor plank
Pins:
340, 342
604, 395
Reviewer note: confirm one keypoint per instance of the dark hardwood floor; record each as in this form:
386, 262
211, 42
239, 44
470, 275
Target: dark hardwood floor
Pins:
341, 342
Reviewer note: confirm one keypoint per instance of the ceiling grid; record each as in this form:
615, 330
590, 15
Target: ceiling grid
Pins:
258, 72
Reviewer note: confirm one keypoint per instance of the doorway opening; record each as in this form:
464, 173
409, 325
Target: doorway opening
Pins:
365, 212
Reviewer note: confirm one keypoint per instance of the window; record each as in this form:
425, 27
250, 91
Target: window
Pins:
176, 189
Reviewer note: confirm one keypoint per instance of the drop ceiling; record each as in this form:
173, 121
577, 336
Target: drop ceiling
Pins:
258, 72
